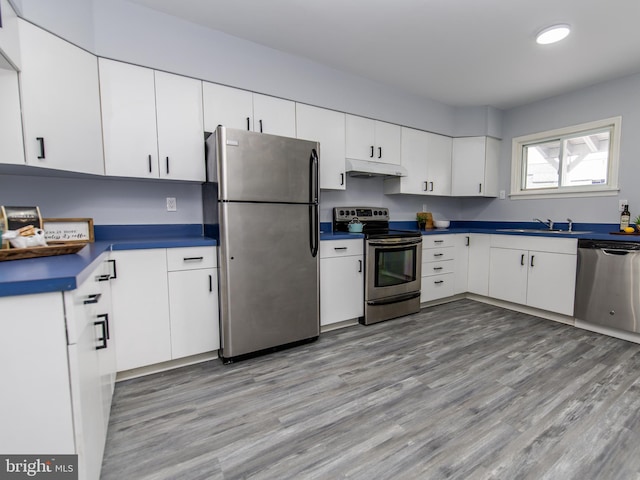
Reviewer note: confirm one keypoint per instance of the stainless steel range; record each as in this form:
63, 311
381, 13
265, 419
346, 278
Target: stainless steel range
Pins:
393, 259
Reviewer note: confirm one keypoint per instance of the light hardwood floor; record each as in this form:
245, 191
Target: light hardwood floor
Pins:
462, 390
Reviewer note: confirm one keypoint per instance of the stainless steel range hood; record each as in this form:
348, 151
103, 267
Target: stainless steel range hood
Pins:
365, 168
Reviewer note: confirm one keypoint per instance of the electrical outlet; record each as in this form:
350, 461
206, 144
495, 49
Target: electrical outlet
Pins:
621, 204
502, 195
172, 204
424, 207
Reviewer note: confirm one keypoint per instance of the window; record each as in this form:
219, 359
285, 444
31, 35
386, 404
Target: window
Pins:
575, 161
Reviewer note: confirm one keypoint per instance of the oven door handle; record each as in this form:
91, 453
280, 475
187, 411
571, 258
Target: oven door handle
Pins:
396, 299
394, 243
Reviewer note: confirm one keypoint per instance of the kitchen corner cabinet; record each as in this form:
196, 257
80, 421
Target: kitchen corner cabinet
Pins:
373, 140
341, 281
438, 266
475, 167
245, 110
478, 266
328, 128
165, 303
60, 103
11, 143
152, 123
534, 271
427, 158
9, 37
55, 370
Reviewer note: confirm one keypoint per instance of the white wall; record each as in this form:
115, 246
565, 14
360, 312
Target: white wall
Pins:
107, 201
609, 99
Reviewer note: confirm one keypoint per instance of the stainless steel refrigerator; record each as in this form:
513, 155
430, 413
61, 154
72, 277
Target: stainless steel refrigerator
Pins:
267, 207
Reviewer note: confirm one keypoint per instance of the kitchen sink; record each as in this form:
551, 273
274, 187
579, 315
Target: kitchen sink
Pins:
538, 230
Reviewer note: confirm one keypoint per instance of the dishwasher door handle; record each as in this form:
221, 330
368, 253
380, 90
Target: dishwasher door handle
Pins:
609, 251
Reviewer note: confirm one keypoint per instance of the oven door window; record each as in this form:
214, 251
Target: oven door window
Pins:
395, 266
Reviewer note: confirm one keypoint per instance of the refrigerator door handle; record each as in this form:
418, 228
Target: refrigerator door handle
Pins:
314, 228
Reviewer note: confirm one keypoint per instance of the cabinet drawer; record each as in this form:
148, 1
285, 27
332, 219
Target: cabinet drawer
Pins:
437, 268
191, 258
435, 241
438, 254
437, 286
341, 248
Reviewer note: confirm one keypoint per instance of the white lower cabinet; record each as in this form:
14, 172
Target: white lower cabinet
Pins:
462, 242
341, 280
55, 363
193, 301
165, 302
438, 254
534, 271
478, 266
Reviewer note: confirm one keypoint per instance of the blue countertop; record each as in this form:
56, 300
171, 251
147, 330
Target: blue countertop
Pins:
66, 272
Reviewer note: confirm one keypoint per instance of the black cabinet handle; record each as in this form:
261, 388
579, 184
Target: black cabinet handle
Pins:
438, 254
479, 188
92, 298
522, 259
379, 152
248, 124
167, 165
193, 259
437, 268
104, 324
438, 241
113, 263
437, 282
372, 149
431, 186
150, 164
41, 144
339, 248
342, 179
424, 186
532, 257
260, 125
360, 266
468, 241
103, 278
210, 283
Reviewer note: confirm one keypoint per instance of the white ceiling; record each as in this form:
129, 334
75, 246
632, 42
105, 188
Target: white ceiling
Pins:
460, 52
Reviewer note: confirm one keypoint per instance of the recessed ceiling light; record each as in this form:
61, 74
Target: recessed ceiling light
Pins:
553, 34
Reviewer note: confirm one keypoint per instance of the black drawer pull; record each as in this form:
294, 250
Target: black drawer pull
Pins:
438, 254
114, 274
210, 283
437, 282
103, 278
193, 259
360, 268
150, 164
438, 241
339, 248
92, 298
437, 268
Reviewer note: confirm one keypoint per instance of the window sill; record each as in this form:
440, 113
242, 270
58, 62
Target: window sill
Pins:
608, 192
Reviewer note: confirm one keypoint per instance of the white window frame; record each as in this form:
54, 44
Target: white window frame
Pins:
517, 167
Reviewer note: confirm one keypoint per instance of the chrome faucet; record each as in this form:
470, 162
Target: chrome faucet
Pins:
548, 223
570, 224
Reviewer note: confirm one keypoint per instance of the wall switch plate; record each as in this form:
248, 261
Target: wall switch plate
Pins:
502, 195
424, 207
621, 204
172, 204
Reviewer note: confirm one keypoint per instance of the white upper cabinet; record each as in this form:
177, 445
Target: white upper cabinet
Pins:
129, 120
244, 110
152, 123
227, 106
427, 158
372, 140
9, 38
274, 116
60, 103
475, 167
326, 127
11, 144
180, 127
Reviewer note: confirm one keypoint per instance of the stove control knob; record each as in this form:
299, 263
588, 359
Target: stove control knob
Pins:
375, 212
341, 212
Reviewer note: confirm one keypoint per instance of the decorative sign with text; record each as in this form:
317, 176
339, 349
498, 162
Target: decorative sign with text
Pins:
68, 230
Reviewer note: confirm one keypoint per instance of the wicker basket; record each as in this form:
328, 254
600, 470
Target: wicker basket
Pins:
34, 252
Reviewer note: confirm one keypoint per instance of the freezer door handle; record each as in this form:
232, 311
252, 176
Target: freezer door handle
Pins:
314, 230
314, 227
313, 177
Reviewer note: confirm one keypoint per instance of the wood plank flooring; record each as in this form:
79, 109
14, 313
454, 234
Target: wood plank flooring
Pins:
462, 390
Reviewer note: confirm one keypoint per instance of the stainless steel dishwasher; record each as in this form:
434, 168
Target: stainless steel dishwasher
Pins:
608, 284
